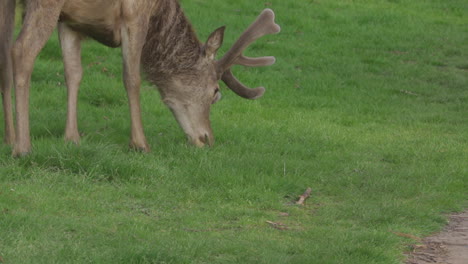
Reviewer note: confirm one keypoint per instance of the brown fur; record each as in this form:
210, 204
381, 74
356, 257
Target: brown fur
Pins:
171, 46
7, 20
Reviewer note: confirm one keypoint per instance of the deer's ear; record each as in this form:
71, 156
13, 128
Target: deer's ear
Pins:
214, 42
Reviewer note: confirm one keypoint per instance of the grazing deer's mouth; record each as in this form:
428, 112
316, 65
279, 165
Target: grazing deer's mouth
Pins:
194, 122
202, 140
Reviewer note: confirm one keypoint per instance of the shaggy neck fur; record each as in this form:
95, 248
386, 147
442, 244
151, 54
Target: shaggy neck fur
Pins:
171, 45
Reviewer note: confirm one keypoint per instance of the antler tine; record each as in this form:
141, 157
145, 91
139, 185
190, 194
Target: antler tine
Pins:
236, 86
263, 25
255, 62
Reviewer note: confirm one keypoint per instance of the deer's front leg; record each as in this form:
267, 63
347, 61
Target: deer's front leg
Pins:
39, 22
133, 37
70, 42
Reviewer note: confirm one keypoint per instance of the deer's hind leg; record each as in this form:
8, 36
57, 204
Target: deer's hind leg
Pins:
6, 71
70, 41
39, 22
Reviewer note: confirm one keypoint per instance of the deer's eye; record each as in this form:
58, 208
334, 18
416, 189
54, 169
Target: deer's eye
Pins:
216, 96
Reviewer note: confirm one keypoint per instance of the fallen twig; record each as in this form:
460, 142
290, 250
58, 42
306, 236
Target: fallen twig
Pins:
304, 196
279, 226
408, 92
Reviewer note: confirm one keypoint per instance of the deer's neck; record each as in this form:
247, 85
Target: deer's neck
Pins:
171, 45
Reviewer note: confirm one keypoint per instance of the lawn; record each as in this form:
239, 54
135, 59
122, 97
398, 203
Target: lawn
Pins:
367, 105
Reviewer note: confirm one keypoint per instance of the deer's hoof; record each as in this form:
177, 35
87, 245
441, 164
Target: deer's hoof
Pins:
73, 138
144, 147
20, 152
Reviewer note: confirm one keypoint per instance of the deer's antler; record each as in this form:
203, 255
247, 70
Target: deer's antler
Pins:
263, 25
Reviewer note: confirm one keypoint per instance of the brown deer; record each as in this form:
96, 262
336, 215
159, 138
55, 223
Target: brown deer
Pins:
152, 33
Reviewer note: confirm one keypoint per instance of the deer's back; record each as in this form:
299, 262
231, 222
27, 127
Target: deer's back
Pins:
102, 19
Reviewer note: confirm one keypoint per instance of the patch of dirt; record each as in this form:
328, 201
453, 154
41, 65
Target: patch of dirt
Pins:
447, 247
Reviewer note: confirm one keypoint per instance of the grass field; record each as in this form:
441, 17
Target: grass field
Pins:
367, 105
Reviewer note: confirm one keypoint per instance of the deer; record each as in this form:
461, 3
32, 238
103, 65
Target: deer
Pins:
156, 38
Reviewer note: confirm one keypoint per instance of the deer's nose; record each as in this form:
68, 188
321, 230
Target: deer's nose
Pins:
206, 139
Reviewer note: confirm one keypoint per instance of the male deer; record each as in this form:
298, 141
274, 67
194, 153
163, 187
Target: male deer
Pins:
152, 33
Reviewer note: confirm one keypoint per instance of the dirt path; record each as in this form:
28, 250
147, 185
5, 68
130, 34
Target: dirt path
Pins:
447, 247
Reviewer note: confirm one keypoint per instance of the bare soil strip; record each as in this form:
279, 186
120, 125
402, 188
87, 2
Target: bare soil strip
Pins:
448, 247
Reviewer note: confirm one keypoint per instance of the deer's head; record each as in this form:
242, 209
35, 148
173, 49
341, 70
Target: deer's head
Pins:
191, 94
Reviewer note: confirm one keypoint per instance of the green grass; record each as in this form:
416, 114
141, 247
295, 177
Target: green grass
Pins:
367, 105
